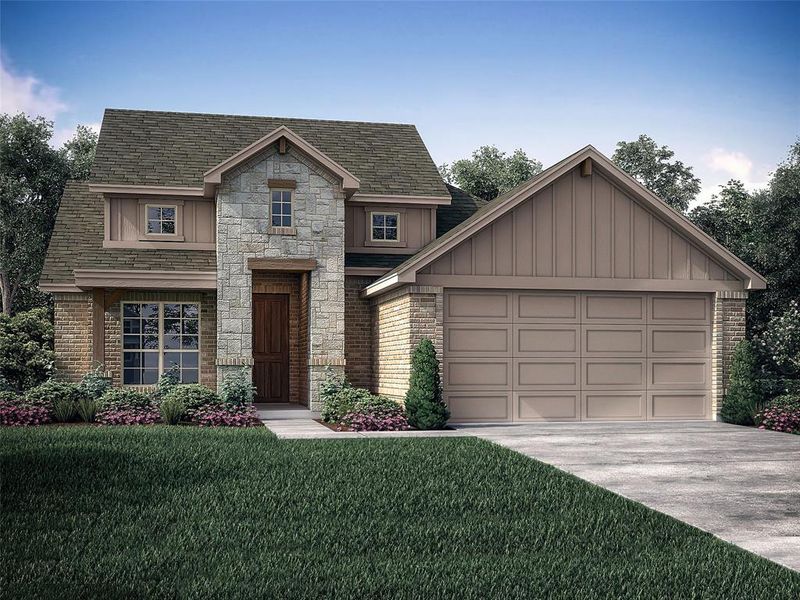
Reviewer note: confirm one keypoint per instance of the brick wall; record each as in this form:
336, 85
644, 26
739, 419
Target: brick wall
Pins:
727, 331
289, 283
72, 320
358, 332
400, 319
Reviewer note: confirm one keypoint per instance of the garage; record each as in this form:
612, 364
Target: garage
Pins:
567, 356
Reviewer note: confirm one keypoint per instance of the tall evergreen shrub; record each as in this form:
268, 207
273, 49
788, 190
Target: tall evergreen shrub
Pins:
424, 406
741, 402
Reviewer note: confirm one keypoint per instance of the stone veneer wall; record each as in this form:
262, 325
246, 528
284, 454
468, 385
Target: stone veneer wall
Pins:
358, 332
728, 329
289, 284
208, 330
72, 325
400, 319
243, 231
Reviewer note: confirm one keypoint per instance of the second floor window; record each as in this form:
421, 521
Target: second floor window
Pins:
161, 219
384, 227
281, 208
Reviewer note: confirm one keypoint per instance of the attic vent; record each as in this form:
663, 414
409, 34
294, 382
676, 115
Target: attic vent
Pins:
282, 145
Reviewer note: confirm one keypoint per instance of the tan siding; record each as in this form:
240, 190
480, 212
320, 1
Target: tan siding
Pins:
416, 225
198, 219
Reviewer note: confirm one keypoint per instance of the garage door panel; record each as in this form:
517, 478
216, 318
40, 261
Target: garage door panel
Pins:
614, 308
678, 405
614, 340
546, 374
678, 309
483, 374
614, 373
478, 306
547, 406
479, 406
546, 307
477, 339
677, 340
546, 340
613, 405
678, 374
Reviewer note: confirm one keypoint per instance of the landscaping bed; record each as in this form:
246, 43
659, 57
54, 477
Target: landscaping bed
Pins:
198, 513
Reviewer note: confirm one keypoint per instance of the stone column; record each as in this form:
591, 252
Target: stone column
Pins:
727, 331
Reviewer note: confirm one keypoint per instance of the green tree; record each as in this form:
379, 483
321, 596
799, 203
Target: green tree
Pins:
32, 180
653, 167
490, 172
424, 406
26, 348
740, 404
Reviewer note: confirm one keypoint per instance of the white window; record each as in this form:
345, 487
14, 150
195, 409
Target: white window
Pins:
384, 226
161, 220
157, 336
281, 208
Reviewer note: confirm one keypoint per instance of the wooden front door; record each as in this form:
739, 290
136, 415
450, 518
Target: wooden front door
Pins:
271, 347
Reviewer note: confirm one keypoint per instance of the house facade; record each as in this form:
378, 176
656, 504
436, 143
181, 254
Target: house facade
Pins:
287, 246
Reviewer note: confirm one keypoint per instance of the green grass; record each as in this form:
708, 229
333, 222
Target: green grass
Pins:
186, 512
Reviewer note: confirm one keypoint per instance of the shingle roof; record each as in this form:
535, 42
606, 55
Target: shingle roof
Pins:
138, 147
378, 261
462, 206
77, 243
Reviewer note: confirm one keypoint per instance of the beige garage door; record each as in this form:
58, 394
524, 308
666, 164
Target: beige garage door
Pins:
562, 356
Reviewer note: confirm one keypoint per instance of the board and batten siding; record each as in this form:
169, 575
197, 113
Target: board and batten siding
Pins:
579, 227
126, 220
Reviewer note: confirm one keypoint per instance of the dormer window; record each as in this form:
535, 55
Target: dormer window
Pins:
385, 226
281, 210
161, 220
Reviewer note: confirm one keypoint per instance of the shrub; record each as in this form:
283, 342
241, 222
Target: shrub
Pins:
168, 380
424, 406
741, 402
172, 410
26, 349
237, 388
51, 393
344, 402
781, 414
87, 409
15, 412
95, 383
64, 410
192, 396
386, 415
226, 415
123, 398
127, 415
332, 384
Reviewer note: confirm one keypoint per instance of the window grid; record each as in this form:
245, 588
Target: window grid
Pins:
158, 335
384, 227
161, 220
281, 215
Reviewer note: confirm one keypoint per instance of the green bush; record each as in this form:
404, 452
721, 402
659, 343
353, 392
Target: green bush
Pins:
344, 402
87, 409
168, 380
51, 392
96, 383
172, 410
26, 349
191, 395
123, 398
64, 410
332, 384
741, 402
237, 388
424, 406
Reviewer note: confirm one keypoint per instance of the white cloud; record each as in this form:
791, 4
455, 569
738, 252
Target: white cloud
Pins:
736, 164
25, 93
62, 134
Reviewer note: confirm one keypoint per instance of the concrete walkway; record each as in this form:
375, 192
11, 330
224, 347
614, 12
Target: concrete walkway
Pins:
741, 484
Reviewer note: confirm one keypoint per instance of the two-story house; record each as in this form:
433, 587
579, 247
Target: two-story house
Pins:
284, 246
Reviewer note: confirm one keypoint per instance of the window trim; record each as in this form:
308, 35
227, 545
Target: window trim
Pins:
281, 228
145, 204
400, 242
160, 350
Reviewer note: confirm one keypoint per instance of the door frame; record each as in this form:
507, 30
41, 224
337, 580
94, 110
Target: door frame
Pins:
285, 358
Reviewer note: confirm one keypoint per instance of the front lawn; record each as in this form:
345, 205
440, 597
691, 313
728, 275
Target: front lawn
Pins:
185, 512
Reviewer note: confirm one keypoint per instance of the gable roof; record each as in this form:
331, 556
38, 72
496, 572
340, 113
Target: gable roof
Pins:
77, 243
151, 148
462, 206
406, 272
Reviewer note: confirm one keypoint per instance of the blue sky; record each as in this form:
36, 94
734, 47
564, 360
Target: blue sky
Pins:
719, 83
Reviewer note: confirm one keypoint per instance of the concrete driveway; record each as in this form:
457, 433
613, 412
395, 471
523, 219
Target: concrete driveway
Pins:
741, 484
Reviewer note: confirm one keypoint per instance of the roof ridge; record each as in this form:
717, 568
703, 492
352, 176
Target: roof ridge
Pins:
242, 116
